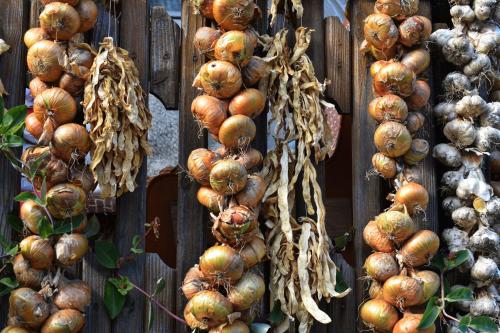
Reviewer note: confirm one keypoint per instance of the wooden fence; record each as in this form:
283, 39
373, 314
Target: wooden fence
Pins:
168, 63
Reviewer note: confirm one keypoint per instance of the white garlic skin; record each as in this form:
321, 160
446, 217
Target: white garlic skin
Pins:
485, 305
485, 271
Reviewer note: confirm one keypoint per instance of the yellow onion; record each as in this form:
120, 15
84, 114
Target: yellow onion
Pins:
254, 191
234, 14
414, 196
375, 291
37, 86
200, 163
73, 84
249, 102
235, 225
74, 295
235, 327
388, 107
13, 329
26, 275
381, 266
219, 79
70, 2
209, 309
380, 31
66, 200
82, 176
222, 265
71, 142
64, 321
397, 9
28, 307
395, 225
403, 291
228, 177
206, 8
31, 213
415, 122
210, 198
205, 40
191, 321
33, 125
417, 60
45, 59
430, 283
394, 78
194, 282
377, 66
375, 239
54, 173
237, 131
80, 56
249, 289
235, 47
414, 30
61, 21
87, 10
379, 315
418, 152
409, 324
35, 35
39, 252
254, 70
253, 252
210, 112
420, 96
420, 248
384, 166
250, 159
392, 139
70, 248
34, 154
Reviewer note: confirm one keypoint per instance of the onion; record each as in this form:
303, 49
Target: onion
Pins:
403, 291
61, 21
220, 79
253, 252
87, 10
380, 31
379, 315
34, 154
397, 9
420, 96
388, 107
395, 225
26, 275
210, 112
381, 266
415, 122
28, 307
74, 295
37, 86
82, 176
430, 283
72, 84
222, 265
70, 248
417, 60
194, 282
235, 327
375, 290
384, 166
13, 329
71, 320
33, 125
79, 55
414, 30
375, 239
209, 198
377, 66
39, 252
249, 289
235, 225
205, 40
191, 320
34, 35
251, 196
235, 47
66, 200
418, 152
414, 196
392, 139
394, 78
383, 54
237, 131
249, 102
256, 69
200, 163
55, 172
70, 2
71, 142
209, 308
228, 177
31, 214
409, 324
45, 59
250, 159
206, 8
420, 248
234, 14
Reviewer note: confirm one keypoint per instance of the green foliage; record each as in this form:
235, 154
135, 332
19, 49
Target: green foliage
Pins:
444, 264
9, 249
68, 225
135, 245
159, 287
460, 294
45, 228
113, 300
431, 313
7, 284
93, 227
122, 284
481, 324
107, 254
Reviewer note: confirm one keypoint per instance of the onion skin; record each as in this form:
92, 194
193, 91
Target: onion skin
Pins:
37, 86
39, 252
237, 131
251, 196
205, 40
71, 142
235, 225
414, 196
222, 264
381, 266
250, 159
210, 308
219, 79
25, 274
228, 177
388, 107
207, 8
66, 200
45, 59
395, 8
249, 102
420, 96
395, 225
210, 198
31, 213
33, 125
392, 139
414, 30
200, 163
12, 329
409, 324
379, 315
255, 69
383, 54
233, 14
394, 78
375, 239
80, 56
28, 307
236, 327
70, 2
253, 252
35, 35
55, 172
417, 153
72, 84
56, 104
377, 66
87, 10
380, 31
70, 249
402, 291
74, 295
417, 60
64, 321
210, 112
415, 122
82, 176
194, 282
420, 248
61, 21
430, 283
375, 290
235, 47
249, 289
385, 166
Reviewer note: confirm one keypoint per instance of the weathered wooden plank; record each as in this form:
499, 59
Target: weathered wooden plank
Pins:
192, 226
338, 63
108, 24
156, 269
344, 310
36, 9
165, 49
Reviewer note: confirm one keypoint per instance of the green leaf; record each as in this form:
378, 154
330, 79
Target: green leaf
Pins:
9, 282
15, 223
276, 316
151, 317
13, 118
460, 294
483, 324
438, 261
45, 229
14, 141
459, 259
93, 227
13, 251
122, 284
25, 196
340, 285
259, 328
341, 241
43, 192
113, 300
463, 325
430, 315
68, 225
160, 285
135, 245
35, 165
107, 254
